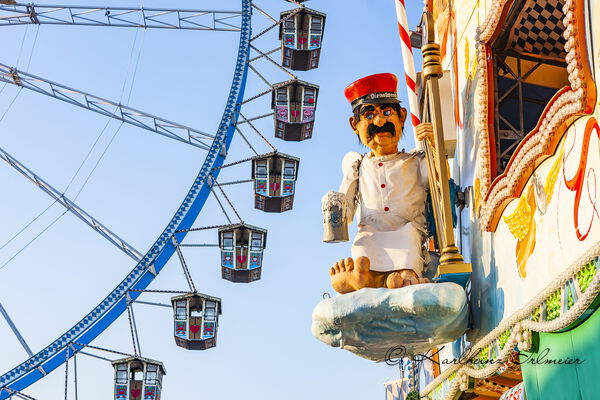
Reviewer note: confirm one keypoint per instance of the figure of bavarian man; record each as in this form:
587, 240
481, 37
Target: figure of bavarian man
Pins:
386, 189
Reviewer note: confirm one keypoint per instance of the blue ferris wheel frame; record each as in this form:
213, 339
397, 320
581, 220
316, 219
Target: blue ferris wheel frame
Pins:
115, 304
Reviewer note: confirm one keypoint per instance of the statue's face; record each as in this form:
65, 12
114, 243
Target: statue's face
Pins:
379, 127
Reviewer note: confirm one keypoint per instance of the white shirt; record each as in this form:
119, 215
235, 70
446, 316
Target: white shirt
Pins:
390, 194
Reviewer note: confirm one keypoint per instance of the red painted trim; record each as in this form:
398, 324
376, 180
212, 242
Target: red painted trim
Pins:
575, 184
490, 116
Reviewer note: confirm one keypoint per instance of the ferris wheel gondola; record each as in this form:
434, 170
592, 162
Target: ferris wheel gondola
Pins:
138, 378
295, 104
196, 320
301, 37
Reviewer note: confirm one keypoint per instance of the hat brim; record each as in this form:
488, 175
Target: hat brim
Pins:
370, 99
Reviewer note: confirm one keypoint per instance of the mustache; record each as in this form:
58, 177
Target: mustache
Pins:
373, 129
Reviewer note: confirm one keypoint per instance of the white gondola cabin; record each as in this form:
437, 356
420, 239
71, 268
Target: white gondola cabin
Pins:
295, 104
274, 176
196, 318
301, 36
242, 249
138, 378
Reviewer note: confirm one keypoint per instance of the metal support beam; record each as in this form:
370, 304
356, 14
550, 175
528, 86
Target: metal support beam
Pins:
129, 17
72, 207
237, 182
13, 327
109, 108
277, 23
264, 13
265, 54
17, 394
260, 75
501, 115
199, 245
95, 356
274, 62
255, 118
150, 303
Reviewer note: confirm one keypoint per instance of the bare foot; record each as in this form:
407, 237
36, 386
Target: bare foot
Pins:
348, 275
404, 277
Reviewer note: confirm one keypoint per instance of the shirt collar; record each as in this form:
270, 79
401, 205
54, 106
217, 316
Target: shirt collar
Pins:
388, 157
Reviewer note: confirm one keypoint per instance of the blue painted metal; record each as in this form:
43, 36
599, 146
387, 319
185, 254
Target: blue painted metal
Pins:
461, 278
101, 317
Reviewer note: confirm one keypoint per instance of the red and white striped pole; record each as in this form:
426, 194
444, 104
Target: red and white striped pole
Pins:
409, 64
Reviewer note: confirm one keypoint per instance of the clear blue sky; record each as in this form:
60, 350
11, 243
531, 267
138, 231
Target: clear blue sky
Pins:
265, 348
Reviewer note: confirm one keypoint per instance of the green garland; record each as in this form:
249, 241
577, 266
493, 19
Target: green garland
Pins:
414, 395
553, 306
504, 336
585, 276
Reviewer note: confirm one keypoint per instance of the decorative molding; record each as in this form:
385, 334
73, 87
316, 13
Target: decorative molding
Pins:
563, 108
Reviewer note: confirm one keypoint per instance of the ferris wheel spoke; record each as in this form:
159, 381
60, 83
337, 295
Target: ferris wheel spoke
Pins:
85, 353
13, 327
238, 130
75, 382
71, 206
151, 303
18, 394
278, 23
264, 13
109, 108
264, 54
260, 75
128, 17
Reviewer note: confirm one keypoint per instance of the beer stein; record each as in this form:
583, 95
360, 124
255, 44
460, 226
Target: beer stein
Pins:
335, 219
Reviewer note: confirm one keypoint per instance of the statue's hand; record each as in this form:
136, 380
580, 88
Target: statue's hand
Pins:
424, 131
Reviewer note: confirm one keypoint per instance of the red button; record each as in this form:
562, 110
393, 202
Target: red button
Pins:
386, 209
383, 185
381, 164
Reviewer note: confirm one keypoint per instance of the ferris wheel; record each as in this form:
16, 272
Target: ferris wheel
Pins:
273, 176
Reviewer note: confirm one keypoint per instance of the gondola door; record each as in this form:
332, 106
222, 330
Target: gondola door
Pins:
241, 246
242, 258
195, 327
295, 111
196, 306
135, 389
275, 178
302, 24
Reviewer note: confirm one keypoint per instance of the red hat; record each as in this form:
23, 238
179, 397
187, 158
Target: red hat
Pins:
373, 89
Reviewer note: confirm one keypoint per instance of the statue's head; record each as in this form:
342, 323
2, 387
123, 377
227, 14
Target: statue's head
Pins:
378, 118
